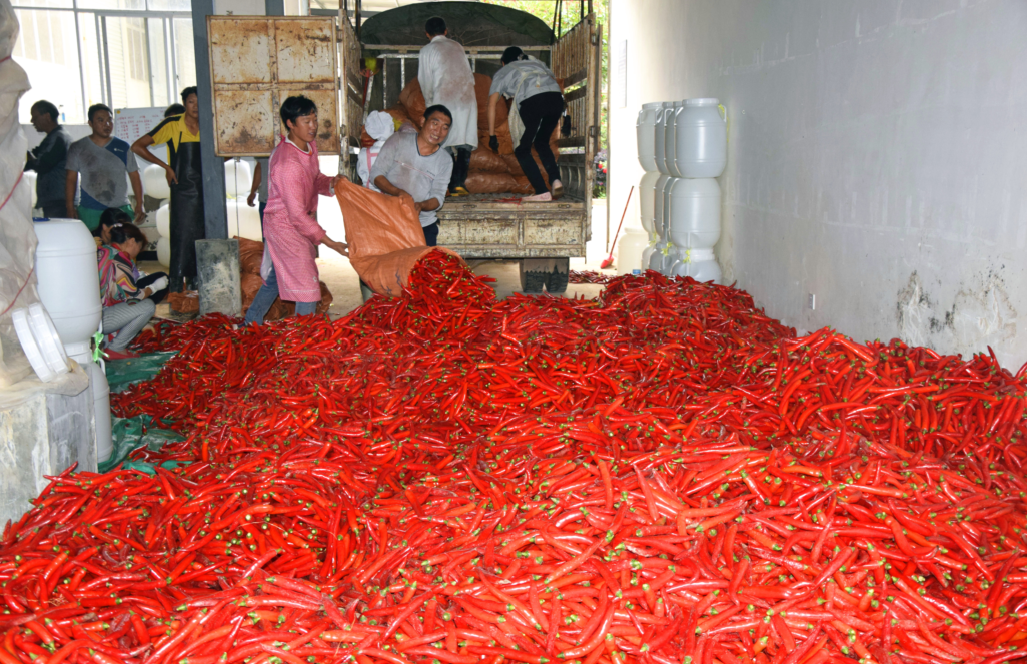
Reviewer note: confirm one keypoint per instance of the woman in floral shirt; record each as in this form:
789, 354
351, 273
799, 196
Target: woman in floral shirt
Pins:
128, 302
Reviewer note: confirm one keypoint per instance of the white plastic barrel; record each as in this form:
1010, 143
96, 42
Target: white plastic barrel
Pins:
164, 220
238, 178
101, 399
701, 135
659, 206
645, 129
155, 182
662, 257
647, 254
647, 200
632, 243
66, 271
670, 140
660, 136
243, 220
693, 213
700, 264
164, 251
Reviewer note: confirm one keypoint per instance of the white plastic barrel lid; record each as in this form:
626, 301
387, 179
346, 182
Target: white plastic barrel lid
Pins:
652, 104
47, 339
20, 318
702, 101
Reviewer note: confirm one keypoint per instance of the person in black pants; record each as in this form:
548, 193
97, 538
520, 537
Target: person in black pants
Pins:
538, 101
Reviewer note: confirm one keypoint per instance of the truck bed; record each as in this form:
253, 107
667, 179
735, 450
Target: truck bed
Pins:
498, 226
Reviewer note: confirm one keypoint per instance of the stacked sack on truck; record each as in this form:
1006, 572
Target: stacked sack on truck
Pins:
489, 173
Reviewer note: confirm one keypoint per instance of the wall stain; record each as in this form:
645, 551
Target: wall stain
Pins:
981, 314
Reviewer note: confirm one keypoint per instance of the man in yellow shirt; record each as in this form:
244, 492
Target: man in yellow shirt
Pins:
181, 135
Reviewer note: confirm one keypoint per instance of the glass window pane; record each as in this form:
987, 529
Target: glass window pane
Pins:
169, 5
158, 61
185, 55
46, 50
92, 65
65, 4
128, 62
111, 5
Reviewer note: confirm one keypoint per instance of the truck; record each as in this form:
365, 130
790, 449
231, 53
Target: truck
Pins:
285, 55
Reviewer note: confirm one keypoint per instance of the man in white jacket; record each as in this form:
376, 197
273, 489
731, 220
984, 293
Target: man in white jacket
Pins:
444, 73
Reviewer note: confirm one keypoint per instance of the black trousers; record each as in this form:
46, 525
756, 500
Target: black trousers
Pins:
159, 296
55, 210
540, 115
431, 234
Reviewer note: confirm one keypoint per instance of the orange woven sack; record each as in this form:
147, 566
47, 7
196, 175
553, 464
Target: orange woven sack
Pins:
384, 237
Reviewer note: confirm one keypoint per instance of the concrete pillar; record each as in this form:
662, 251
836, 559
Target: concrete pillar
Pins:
218, 264
214, 215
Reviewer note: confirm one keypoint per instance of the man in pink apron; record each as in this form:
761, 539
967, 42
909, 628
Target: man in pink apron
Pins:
291, 233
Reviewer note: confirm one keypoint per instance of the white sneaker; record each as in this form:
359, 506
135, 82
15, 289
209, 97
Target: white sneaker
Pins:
557, 189
538, 198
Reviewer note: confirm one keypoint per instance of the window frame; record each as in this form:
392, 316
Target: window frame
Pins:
100, 17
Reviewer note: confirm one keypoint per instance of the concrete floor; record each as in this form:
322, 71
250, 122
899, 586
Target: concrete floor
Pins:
342, 281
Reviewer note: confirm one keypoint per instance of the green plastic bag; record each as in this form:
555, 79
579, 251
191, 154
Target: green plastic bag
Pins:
127, 435
121, 374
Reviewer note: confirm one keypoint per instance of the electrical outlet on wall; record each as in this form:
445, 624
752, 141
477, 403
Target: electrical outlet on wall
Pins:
812, 301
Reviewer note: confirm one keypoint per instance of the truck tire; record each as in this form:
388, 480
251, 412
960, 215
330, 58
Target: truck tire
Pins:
532, 283
557, 280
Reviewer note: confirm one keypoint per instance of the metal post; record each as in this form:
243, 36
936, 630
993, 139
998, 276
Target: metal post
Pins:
356, 27
215, 218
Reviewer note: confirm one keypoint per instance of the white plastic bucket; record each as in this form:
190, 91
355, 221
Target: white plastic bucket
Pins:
645, 129
660, 136
155, 182
632, 243
164, 251
662, 257
69, 283
700, 264
700, 133
659, 206
164, 220
647, 254
647, 200
693, 213
243, 220
101, 399
238, 178
670, 141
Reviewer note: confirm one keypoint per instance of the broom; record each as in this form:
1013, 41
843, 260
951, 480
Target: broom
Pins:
609, 259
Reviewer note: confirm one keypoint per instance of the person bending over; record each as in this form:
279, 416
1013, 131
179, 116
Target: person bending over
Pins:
128, 297
415, 167
291, 232
539, 102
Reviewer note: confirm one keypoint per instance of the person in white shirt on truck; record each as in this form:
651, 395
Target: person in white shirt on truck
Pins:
538, 100
444, 73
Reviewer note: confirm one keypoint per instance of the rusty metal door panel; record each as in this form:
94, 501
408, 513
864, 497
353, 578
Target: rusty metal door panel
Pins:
550, 230
240, 51
306, 51
351, 94
256, 62
247, 122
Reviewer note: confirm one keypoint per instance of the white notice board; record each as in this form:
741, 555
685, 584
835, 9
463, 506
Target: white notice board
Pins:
130, 124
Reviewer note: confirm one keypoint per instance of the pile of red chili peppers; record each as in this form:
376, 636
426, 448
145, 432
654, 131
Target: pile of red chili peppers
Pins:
589, 277
661, 475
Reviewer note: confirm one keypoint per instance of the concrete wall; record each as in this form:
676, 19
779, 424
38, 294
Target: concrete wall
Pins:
877, 156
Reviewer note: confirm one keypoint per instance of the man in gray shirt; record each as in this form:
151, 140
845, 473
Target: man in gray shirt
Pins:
103, 161
48, 159
415, 167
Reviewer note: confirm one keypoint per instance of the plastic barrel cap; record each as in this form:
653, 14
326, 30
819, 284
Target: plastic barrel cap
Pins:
47, 339
28, 345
